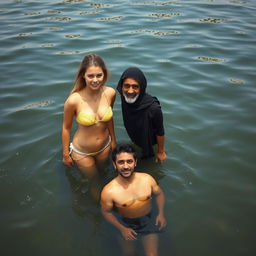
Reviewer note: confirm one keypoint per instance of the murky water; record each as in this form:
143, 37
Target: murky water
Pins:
199, 59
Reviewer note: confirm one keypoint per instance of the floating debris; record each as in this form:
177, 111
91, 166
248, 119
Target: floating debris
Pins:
36, 105
241, 32
72, 36
167, 3
164, 33
164, 15
236, 81
61, 18
102, 5
25, 34
209, 59
55, 29
47, 45
154, 3
88, 13
32, 14
213, 20
53, 12
111, 19
157, 33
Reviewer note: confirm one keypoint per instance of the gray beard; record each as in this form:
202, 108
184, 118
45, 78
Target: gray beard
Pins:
130, 100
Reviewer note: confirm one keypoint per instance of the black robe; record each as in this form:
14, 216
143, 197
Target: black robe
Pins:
143, 119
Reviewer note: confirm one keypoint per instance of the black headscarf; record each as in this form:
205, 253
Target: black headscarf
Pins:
137, 116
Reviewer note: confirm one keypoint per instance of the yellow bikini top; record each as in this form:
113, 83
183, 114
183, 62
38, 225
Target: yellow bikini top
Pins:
87, 120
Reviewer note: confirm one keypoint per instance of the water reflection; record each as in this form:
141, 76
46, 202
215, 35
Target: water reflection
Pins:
87, 192
85, 205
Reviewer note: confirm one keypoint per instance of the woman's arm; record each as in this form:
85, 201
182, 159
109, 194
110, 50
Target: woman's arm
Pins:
69, 112
111, 122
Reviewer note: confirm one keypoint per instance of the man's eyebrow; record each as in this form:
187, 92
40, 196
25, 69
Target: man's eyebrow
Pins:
131, 84
121, 160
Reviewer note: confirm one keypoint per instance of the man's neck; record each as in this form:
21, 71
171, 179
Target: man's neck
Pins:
126, 180
91, 94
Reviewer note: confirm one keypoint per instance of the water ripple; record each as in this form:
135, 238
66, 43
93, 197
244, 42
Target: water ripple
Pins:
199, 60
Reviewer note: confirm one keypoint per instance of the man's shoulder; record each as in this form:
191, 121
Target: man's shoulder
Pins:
145, 179
110, 185
143, 175
156, 104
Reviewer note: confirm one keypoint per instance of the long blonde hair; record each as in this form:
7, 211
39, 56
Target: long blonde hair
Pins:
89, 60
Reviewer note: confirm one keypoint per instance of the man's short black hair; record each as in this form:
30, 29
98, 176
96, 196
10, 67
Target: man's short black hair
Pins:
123, 148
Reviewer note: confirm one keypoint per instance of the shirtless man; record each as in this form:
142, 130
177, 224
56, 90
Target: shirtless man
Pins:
130, 194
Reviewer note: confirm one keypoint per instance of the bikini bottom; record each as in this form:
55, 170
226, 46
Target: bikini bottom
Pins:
72, 148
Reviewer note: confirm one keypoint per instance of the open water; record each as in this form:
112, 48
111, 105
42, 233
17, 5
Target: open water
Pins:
199, 59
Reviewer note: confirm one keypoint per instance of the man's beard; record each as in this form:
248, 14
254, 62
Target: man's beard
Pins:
130, 100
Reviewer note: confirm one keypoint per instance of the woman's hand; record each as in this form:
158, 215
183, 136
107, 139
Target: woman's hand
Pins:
67, 160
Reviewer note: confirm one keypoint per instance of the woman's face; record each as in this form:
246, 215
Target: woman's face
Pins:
94, 77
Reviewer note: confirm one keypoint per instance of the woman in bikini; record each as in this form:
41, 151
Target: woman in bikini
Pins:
90, 103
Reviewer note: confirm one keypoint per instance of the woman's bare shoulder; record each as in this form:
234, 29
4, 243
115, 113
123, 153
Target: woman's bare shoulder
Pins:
73, 99
111, 92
